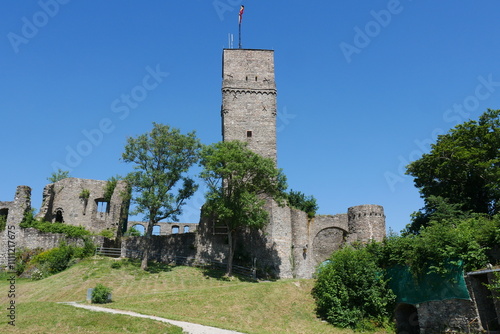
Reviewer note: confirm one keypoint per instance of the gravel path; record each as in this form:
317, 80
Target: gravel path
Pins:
186, 326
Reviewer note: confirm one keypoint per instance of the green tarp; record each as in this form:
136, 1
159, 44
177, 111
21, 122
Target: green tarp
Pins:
428, 287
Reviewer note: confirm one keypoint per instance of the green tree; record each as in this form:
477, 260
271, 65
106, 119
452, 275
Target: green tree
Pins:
462, 167
302, 202
58, 176
350, 290
239, 181
159, 183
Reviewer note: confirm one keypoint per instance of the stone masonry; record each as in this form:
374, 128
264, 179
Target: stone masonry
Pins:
249, 99
81, 202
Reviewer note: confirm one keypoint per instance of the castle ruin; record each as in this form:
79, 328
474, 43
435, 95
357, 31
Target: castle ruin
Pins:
290, 245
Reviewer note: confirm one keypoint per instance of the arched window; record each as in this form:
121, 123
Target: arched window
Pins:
156, 230
175, 229
139, 228
59, 216
186, 229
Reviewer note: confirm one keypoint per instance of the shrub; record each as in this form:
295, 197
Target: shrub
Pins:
110, 234
116, 265
44, 226
23, 257
84, 194
56, 259
351, 291
101, 294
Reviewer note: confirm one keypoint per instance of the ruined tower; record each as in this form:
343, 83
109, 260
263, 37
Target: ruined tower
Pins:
249, 99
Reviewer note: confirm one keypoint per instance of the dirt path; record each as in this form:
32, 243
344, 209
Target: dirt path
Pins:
186, 326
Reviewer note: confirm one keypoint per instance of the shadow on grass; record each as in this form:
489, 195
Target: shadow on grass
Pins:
153, 266
220, 275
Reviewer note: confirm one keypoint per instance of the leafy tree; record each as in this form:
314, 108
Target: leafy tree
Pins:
447, 241
161, 159
462, 167
58, 176
350, 290
437, 209
302, 202
239, 181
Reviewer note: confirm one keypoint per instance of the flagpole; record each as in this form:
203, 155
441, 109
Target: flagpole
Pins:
240, 18
239, 38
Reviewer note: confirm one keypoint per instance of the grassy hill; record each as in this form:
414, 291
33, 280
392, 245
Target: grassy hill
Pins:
179, 293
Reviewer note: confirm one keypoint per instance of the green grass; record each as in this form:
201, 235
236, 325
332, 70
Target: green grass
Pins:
179, 293
50, 318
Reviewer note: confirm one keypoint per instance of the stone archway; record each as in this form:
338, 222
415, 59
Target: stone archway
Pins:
326, 242
139, 227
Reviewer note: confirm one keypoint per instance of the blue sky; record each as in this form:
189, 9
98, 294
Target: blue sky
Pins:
364, 87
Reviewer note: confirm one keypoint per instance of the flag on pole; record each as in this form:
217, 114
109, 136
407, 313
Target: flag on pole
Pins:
242, 9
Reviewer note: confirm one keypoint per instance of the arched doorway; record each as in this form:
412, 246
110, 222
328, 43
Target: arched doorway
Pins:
406, 319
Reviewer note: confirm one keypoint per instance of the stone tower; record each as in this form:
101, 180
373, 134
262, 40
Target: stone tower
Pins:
249, 99
366, 222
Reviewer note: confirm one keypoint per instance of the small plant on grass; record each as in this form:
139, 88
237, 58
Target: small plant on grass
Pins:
101, 294
116, 265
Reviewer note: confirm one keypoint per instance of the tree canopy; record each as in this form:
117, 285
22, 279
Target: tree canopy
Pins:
239, 181
302, 202
159, 183
462, 168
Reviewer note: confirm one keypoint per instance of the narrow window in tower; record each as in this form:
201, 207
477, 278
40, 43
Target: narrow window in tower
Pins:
249, 134
255, 78
246, 78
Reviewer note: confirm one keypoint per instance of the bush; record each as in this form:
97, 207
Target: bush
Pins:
116, 265
23, 257
101, 294
56, 259
351, 292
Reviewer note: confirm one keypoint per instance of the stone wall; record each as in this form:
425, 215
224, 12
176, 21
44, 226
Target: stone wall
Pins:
10, 238
167, 228
164, 248
63, 201
31, 238
290, 244
329, 233
452, 315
